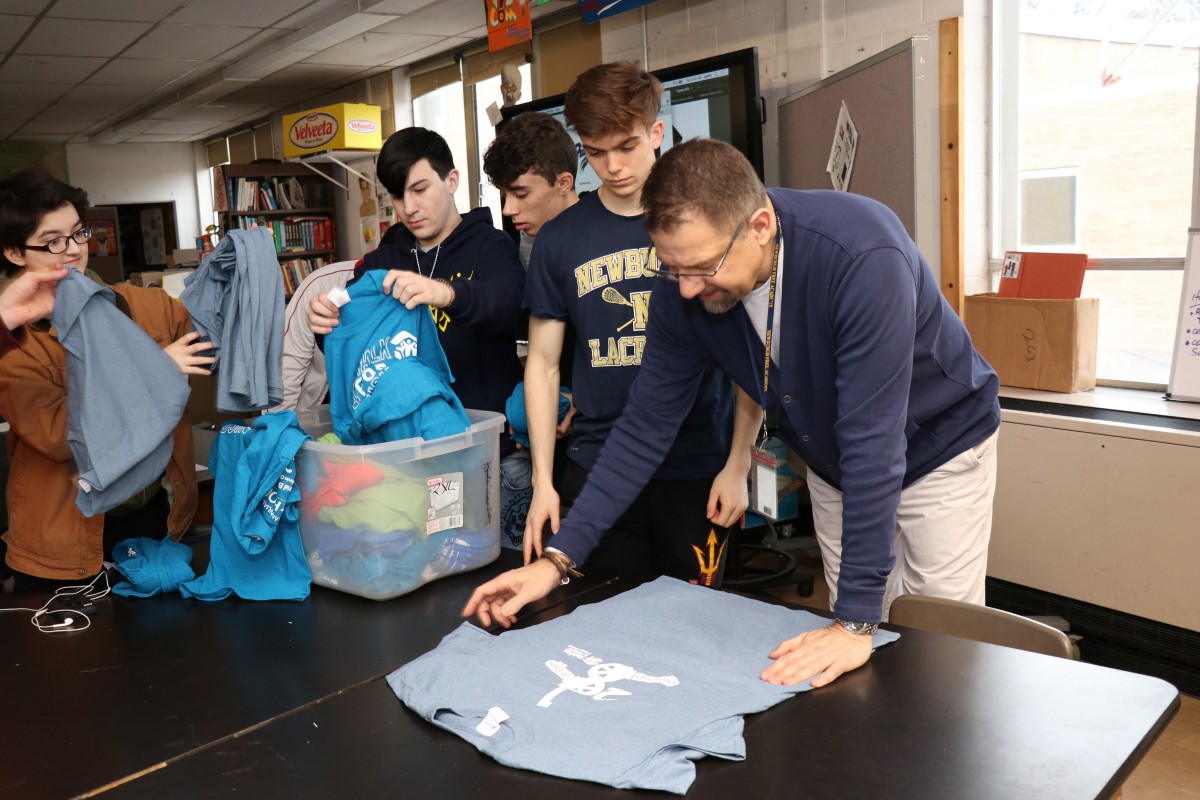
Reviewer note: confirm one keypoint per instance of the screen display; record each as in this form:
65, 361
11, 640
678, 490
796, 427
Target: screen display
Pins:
716, 98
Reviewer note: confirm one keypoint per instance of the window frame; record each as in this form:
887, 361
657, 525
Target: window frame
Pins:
1004, 175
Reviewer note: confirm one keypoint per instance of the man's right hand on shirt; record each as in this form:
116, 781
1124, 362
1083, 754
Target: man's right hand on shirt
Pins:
544, 505
502, 597
322, 315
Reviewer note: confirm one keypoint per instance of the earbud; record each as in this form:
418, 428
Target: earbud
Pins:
66, 623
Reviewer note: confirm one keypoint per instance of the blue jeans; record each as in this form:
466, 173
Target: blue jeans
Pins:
516, 493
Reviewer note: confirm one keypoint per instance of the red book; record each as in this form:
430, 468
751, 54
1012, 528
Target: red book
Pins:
1042, 276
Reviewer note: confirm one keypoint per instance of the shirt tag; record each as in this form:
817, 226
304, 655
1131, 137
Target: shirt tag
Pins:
764, 486
491, 723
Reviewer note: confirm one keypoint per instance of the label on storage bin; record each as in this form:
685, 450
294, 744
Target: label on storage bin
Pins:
445, 502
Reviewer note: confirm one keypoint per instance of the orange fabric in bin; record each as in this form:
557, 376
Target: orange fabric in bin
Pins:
341, 481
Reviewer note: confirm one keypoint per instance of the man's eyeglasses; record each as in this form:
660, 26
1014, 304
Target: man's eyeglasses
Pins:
59, 246
665, 271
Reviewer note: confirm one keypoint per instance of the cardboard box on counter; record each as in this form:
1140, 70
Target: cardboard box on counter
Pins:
170, 280
183, 259
1036, 344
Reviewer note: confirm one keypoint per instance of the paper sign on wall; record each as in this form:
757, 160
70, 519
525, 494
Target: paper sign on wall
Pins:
841, 155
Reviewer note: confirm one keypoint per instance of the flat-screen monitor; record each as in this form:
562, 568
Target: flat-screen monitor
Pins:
715, 98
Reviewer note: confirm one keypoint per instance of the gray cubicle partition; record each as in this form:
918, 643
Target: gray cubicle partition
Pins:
892, 98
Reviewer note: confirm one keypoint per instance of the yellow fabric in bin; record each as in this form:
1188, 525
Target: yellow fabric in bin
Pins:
397, 504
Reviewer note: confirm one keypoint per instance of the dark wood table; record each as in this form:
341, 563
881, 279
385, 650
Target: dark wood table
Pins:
176, 698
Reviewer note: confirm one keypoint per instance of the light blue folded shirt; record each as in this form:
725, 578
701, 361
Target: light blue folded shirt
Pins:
124, 396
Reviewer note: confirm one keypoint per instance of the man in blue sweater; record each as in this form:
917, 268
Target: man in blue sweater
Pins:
872, 378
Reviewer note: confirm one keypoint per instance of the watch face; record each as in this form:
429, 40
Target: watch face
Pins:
859, 627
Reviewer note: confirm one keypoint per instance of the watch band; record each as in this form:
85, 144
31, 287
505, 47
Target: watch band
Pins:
859, 628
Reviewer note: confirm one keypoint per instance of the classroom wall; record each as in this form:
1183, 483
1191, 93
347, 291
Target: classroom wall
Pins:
800, 42
141, 173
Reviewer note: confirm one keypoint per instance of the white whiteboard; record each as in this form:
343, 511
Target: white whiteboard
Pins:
1185, 363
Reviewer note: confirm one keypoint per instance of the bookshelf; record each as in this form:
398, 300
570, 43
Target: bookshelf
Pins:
291, 200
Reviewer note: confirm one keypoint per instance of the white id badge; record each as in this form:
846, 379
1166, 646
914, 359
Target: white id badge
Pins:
764, 489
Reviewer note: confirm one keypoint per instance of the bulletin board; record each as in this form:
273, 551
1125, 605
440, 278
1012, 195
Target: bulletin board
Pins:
892, 98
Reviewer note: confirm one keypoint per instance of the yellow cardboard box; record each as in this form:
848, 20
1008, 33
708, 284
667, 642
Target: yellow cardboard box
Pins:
1036, 344
343, 126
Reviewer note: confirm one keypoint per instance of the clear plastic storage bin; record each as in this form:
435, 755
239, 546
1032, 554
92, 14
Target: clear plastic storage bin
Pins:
381, 520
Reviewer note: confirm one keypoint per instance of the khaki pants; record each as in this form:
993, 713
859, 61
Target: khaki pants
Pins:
943, 525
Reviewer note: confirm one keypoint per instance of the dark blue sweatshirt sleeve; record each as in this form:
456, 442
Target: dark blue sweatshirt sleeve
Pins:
874, 318
490, 302
661, 397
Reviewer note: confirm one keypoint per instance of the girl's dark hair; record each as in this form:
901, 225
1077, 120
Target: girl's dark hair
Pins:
26, 197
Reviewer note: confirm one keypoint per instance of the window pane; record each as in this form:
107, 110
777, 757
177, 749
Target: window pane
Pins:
1138, 311
1047, 204
1108, 93
442, 110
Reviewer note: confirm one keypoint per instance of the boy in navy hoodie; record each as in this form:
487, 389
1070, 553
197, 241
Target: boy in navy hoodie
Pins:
461, 266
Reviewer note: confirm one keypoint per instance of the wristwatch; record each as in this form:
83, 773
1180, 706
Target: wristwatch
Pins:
866, 628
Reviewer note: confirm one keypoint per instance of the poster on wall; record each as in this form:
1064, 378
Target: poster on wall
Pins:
154, 240
508, 23
104, 237
593, 10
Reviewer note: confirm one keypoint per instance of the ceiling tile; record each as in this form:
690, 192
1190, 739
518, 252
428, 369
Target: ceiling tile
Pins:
370, 49
181, 128
403, 6
217, 114
188, 41
144, 71
436, 46
256, 14
128, 10
81, 111
49, 69
50, 138
116, 95
456, 18
157, 137
252, 45
29, 8
81, 37
32, 92
59, 127
12, 28
11, 111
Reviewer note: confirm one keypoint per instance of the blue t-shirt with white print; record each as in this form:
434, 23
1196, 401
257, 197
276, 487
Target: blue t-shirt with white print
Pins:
388, 376
256, 551
591, 697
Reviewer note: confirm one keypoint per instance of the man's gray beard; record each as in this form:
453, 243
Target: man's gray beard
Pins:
724, 302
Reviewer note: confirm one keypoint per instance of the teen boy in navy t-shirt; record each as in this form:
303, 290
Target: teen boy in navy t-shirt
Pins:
588, 270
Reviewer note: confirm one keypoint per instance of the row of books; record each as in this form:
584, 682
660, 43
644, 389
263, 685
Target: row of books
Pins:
296, 270
275, 194
295, 234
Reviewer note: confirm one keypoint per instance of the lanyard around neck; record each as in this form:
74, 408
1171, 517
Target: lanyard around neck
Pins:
771, 309
770, 332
